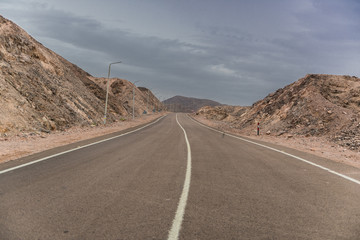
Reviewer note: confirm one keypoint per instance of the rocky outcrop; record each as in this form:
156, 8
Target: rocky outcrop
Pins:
316, 105
41, 91
122, 92
222, 113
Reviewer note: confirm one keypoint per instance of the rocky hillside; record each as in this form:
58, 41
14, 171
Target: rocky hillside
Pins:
187, 104
316, 105
222, 113
123, 91
150, 101
41, 91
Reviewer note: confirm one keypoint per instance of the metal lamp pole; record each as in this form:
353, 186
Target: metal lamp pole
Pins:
134, 99
107, 90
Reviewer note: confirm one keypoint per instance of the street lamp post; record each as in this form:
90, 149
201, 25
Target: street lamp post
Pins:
134, 99
107, 90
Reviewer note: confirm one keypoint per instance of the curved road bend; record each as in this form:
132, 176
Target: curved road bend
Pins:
129, 188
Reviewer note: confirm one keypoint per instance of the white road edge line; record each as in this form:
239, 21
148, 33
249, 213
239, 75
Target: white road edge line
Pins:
77, 148
176, 226
285, 153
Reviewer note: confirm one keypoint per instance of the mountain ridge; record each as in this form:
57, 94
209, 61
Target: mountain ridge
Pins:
187, 104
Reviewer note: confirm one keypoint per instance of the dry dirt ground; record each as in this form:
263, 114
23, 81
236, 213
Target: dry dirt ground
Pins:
319, 146
26, 144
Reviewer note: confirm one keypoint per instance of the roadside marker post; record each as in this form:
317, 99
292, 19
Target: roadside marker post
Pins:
258, 129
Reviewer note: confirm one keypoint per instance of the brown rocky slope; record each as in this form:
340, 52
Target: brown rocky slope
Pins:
317, 105
127, 94
41, 91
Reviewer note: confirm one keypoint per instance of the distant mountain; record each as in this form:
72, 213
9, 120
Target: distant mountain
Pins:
187, 104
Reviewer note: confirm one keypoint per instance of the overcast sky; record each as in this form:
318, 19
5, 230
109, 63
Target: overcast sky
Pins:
231, 51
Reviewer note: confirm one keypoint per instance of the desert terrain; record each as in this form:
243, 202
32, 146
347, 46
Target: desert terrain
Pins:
46, 101
318, 113
41, 91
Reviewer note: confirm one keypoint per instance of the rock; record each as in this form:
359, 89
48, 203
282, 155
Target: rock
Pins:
268, 132
44, 130
281, 133
52, 125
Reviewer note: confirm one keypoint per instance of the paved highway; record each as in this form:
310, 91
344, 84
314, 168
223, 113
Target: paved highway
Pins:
176, 179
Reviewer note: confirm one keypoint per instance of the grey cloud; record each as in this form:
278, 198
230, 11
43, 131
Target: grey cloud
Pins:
236, 57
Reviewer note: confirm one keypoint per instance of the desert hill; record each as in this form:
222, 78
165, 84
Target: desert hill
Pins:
41, 91
316, 105
222, 113
152, 102
123, 90
187, 104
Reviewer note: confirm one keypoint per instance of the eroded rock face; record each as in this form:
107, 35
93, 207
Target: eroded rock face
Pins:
121, 91
40, 90
316, 105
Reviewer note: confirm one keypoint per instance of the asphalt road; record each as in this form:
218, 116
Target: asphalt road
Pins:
132, 187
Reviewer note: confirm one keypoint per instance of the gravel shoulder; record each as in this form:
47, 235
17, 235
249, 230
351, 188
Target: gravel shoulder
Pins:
318, 146
25, 144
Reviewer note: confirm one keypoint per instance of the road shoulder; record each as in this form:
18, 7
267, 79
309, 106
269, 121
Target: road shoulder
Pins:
20, 151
